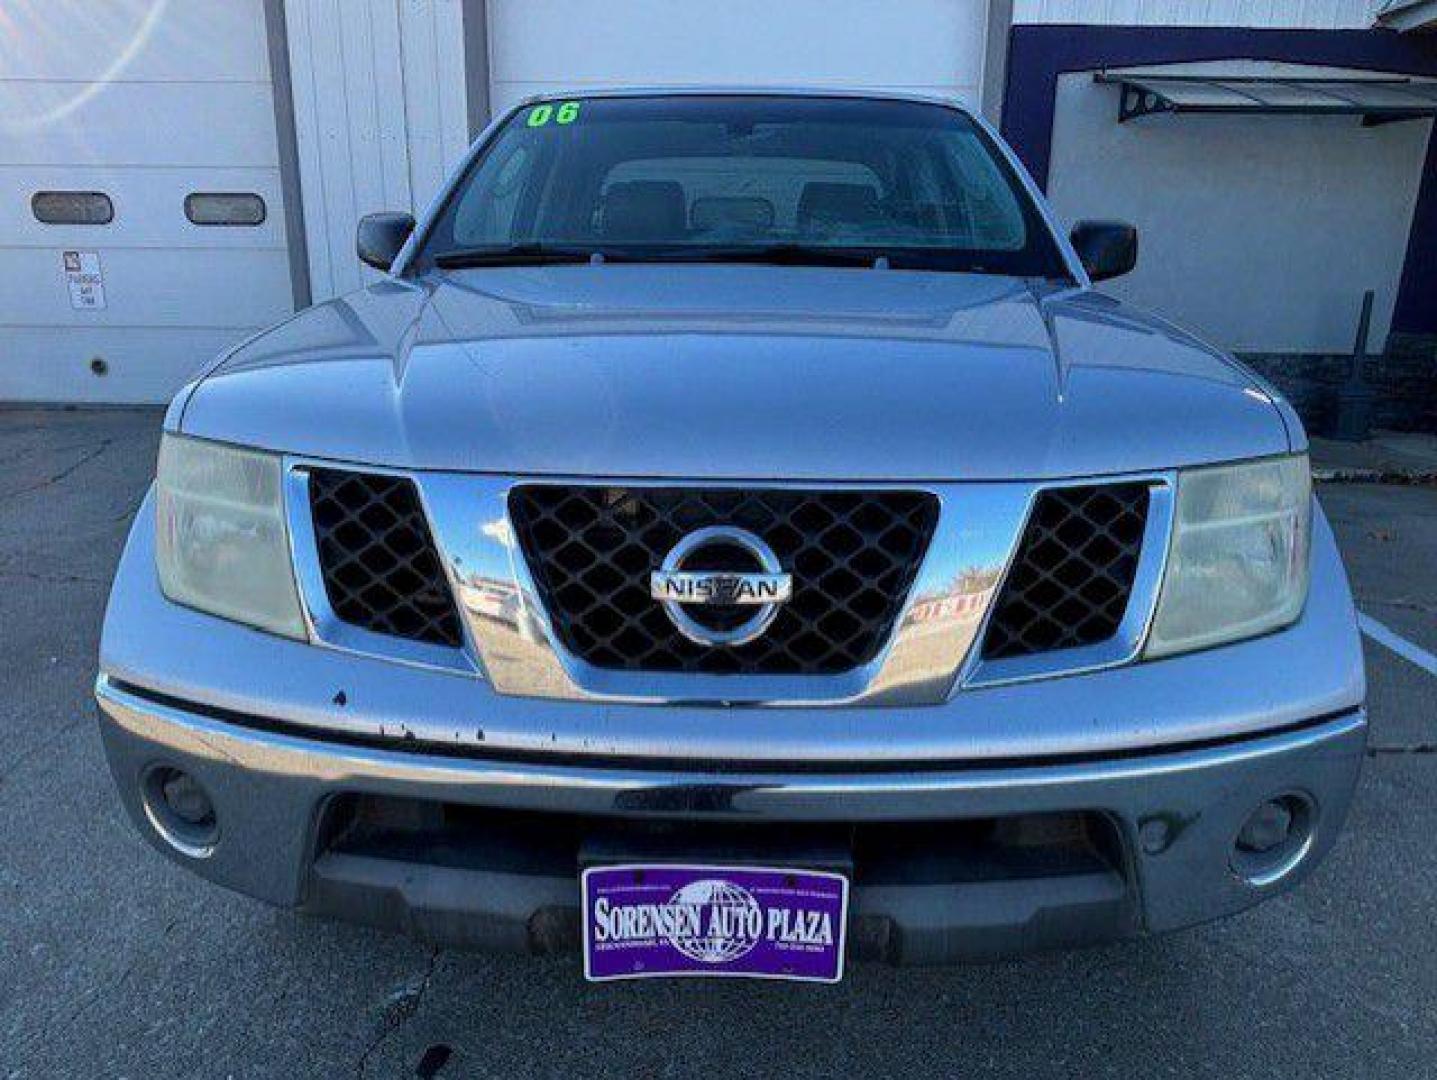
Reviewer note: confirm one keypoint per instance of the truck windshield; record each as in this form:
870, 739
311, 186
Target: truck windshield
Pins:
744, 178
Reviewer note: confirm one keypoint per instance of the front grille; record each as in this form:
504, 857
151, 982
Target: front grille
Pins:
1073, 575
381, 569
853, 557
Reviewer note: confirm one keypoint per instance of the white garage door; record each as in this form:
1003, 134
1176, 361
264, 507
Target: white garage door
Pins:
120, 123
381, 117
542, 46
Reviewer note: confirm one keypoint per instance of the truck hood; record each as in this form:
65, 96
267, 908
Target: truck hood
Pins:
735, 372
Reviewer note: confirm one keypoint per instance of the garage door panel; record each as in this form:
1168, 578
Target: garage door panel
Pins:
167, 40
149, 207
155, 288
437, 122
217, 124
141, 365
863, 43
381, 117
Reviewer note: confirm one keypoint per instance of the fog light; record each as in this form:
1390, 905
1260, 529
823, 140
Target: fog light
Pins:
1268, 826
186, 798
1274, 839
180, 810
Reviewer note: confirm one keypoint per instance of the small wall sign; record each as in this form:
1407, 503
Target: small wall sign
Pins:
85, 279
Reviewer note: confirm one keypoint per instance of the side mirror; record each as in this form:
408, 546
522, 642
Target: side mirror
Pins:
1108, 249
380, 238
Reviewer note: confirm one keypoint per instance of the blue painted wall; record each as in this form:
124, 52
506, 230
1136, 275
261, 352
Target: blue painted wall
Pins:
1039, 54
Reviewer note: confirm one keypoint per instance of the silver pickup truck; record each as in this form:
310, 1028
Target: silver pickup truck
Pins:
732, 535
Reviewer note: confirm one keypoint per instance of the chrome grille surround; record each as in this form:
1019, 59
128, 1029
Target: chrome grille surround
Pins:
324, 625
1125, 643
931, 653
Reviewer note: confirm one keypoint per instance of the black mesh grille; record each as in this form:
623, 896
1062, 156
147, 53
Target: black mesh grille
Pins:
381, 570
1073, 574
853, 557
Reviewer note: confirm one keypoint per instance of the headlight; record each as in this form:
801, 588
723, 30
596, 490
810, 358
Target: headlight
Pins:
1238, 562
221, 543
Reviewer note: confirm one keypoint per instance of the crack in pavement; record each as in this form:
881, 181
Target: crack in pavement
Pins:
55, 736
1402, 604
109, 988
1414, 748
52, 579
400, 1008
63, 474
14, 454
101, 988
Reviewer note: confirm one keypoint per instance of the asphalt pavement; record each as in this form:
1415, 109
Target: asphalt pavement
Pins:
115, 963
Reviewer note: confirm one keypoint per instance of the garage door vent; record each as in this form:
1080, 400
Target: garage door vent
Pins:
72, 208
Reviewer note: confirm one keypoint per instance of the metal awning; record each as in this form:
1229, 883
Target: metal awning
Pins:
1378, 100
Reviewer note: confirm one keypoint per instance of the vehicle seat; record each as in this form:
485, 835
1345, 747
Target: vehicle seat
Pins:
643, 211
824, 206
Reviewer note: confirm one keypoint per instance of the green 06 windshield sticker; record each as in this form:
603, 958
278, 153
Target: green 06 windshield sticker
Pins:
566, 112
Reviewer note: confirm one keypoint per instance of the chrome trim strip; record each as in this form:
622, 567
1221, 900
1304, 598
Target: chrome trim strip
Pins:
979, 529
798, 796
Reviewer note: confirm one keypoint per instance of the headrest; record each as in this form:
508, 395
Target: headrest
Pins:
746, 211
825, 204
639, 211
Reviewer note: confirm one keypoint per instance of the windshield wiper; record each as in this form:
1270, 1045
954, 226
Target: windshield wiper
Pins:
540, 253
791, 254
775, 254
524, 254
536, 253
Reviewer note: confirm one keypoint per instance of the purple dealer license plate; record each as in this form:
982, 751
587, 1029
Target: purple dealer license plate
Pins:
650, 920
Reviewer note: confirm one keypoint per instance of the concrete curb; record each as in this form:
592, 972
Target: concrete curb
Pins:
1410, 477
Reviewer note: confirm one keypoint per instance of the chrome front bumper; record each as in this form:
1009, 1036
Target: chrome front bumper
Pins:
1177, 813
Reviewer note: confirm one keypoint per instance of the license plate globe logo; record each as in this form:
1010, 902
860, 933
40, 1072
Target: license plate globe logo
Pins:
646, 921
711, 921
